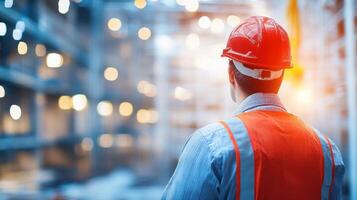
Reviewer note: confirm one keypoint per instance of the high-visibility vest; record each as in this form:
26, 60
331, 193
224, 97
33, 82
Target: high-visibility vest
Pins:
279, 157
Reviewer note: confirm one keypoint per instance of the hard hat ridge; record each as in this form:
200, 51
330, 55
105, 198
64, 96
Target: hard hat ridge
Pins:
259, 41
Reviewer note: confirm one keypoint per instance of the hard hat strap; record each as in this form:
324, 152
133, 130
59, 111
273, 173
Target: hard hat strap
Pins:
261, 74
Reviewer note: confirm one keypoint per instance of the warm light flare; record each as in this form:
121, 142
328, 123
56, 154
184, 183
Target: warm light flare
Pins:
304, 96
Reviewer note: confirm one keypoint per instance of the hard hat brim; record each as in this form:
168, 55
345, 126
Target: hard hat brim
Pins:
228, 53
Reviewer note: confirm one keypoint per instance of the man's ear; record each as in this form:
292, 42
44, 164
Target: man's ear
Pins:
231, 74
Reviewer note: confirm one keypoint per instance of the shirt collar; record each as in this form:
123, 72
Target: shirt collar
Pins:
261, 101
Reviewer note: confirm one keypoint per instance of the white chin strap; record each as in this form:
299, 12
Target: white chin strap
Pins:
261, 74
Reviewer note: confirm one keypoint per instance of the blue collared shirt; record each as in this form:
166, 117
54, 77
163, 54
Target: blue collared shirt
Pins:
199, 173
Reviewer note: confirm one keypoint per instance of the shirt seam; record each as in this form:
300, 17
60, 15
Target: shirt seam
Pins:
211, 152
208, 145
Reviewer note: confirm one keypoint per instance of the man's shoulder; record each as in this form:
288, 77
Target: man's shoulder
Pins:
210, 129
326, 140
216, 137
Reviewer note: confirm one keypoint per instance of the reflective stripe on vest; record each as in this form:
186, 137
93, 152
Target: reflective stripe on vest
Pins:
279, 157
329, 166
244, 152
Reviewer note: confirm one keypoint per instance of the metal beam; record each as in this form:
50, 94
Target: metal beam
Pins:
95, 89
243, 9
20, 78
22, 142
33, 82
350, 45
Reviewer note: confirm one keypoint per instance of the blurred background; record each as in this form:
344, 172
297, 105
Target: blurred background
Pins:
97, 97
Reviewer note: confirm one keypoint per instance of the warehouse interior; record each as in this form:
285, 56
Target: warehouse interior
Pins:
97, 97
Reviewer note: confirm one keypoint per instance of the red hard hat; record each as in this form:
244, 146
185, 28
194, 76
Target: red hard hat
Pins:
259, 42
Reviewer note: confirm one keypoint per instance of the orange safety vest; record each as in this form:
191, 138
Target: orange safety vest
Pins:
280, 157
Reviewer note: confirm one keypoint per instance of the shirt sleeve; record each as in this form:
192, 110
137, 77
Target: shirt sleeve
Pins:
336, 192
194, 177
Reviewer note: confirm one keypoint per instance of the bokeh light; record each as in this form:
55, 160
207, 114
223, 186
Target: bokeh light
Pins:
144, 33
140, 3
8, 3
146, 88
192, 5
79, 102
63, 6
204, 22
124, 140
126, 109
182, 94
105, 108
22, 48
17, 34
181, 2
15, 112
217, 25
154, 116
87, 144
114, 24
106, 140
65, 102
2, 91
3, 29
40, 50
54, 60
233, 20
20, 25
143, 116
111, 74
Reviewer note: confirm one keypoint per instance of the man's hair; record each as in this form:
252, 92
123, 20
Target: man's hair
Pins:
251, 85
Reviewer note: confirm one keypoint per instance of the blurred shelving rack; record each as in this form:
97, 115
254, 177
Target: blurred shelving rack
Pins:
34, 32
49, 129
41, 90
